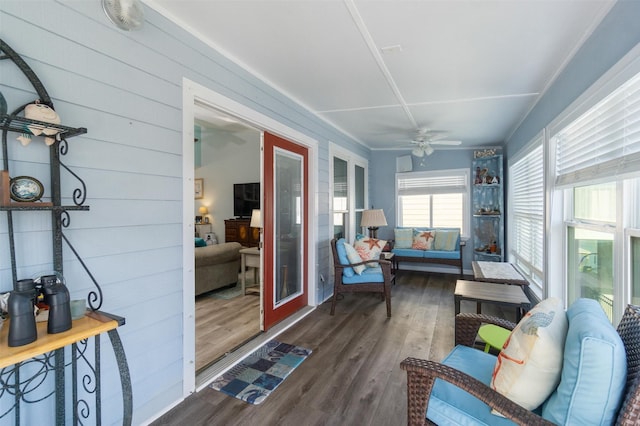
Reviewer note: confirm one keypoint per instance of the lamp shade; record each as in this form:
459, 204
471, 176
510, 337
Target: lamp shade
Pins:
203, 210
256, 219
373, 218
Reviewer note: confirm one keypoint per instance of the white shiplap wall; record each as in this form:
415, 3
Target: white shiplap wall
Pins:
126, 88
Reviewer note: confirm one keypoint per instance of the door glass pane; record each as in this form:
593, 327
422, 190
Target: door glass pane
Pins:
289, 225
359, 172
635, 270
340, 204
591, 267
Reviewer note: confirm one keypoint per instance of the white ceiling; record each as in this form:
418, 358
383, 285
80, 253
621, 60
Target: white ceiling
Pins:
380, 70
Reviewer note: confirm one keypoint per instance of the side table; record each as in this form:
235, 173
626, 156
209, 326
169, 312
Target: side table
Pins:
387, 255
493, 336
249, 257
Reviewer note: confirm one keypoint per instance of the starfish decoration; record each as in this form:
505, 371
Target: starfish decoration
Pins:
372, 243
426, 234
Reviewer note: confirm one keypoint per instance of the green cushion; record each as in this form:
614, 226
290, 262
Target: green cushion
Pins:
200, 242
403, 237
446, 239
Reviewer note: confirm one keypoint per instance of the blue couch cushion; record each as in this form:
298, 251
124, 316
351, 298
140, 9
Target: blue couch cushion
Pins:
369, 275
441, 254
408, 252
594, 370
450, 405
344, 260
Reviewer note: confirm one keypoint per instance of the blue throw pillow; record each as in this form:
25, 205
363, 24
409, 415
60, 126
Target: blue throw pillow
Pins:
200, 242
594, 370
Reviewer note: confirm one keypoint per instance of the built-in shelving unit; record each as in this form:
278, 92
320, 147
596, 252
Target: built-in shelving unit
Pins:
54, 354
488, 206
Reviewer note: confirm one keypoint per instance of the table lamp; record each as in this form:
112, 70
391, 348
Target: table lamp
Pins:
203, 212
256, 222
372, 219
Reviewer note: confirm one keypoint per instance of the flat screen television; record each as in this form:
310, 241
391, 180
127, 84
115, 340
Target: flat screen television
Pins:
246, 197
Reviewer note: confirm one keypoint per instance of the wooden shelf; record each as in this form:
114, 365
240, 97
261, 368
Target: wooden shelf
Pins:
92, 324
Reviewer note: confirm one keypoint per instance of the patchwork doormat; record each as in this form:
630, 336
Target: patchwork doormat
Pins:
253, 379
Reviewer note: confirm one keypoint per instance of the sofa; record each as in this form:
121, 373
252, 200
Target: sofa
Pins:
578, 374
217, 266
445, 248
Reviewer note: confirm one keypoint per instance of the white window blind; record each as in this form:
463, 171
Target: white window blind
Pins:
527, 210
421, 183
433, 198
604, 141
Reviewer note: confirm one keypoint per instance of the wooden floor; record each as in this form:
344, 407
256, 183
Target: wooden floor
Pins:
353, 376
223, 325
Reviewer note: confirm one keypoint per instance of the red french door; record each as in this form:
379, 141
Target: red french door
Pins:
286, 213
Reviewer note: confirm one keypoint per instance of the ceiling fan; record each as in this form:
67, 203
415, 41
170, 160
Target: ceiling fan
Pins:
425, 139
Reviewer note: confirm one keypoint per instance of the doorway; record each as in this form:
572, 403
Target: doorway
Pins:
225, 318
194, 93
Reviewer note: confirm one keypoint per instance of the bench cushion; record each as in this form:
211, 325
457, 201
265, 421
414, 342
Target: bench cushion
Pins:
450, 405
594, 366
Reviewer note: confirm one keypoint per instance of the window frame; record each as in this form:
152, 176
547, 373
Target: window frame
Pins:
353, 161
559, 193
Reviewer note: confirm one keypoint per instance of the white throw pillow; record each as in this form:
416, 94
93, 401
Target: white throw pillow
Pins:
369, 249
529, 366
354, 257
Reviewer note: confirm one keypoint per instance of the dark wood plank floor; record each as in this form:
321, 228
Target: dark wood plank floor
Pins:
353, 376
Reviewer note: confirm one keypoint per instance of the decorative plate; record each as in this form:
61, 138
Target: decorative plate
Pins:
25, 188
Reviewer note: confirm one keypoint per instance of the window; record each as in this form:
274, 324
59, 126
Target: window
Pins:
434, 199
526, 210
597, 162
349, 192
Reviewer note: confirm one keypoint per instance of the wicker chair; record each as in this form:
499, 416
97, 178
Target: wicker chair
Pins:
380, 282
421, 375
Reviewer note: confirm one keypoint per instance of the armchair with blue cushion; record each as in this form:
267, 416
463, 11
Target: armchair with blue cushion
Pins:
373, 276
599, 382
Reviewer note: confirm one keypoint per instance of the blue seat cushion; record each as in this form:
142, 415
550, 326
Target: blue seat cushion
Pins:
427, 254
441, 254
344, 260
450, 405
594, 370
408, 252
369, 275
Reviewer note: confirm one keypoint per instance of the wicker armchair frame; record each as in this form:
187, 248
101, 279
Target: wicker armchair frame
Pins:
421, 375
383, 288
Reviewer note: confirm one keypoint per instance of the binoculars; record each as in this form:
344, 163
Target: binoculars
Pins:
22, 327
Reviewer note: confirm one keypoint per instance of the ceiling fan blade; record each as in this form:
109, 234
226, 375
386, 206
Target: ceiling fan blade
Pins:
452, 143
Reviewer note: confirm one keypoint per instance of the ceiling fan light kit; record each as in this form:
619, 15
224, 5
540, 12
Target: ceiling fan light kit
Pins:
125, 14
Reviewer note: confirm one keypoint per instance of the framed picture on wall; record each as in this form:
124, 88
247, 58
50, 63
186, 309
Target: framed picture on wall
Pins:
198, 188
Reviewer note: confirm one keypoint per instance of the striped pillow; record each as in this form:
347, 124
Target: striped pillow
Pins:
404, 238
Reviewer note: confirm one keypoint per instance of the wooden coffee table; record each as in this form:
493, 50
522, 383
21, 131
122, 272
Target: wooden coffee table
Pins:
495, 293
